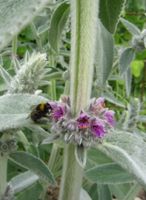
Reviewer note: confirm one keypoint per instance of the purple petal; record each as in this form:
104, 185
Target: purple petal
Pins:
83, 121
109, 117
52, 105
58, 110
100, 101
97, 127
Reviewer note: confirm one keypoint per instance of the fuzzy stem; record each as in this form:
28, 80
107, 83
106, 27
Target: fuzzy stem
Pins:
72, 175
3, 174
84, 18
84, 26
53, 89
54, 150
53, 156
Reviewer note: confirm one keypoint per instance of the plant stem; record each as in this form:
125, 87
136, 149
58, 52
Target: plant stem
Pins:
3, 173
54, 150
72, 175
53, 155
84, 34
84, 18
53, 89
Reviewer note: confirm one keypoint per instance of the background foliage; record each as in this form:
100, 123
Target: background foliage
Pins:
114, 169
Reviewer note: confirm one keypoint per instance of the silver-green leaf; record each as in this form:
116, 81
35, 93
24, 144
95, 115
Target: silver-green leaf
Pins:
109, 173
128, 81
134, 30
84, 195
104, 56
81, 155
14, 15
129, 151
23, 180
126, 58
58, 22
109, 13
15, 110
104, 192
34, 164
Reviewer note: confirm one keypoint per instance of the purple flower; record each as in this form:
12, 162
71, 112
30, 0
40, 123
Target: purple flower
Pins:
100, 102
83, 121
109, 117
57, 110
51, 105
72, 125
97, 127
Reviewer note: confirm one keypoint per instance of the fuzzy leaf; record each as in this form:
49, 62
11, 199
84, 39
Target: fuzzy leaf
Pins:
126, 58
104, 192
104, 58
84, 195
30, 193
108, 48
97, 157
15, 15
15, 110
81, 155
33, 163
51, 138
94, 192
110, 173
134, 30
5, 75
133, 192
30, 75
58, 22
23, 180
109, 13
37, 129
120, 190
109, 96
129, 151
128, 81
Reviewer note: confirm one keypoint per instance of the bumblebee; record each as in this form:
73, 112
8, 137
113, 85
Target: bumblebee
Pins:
41, 110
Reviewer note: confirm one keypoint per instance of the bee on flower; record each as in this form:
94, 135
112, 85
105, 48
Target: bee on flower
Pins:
87, 128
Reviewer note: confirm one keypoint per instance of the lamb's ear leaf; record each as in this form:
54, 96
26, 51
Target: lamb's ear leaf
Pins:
110, 12
34, 191
36, 165
84, 195
15, 110
23, 180
104, 192
134, 30
15, 15
58, 22
107, 55
109, 173
126, 58
129, 151
81, 155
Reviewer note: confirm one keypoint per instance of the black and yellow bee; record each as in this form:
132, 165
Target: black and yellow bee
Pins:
39, 111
